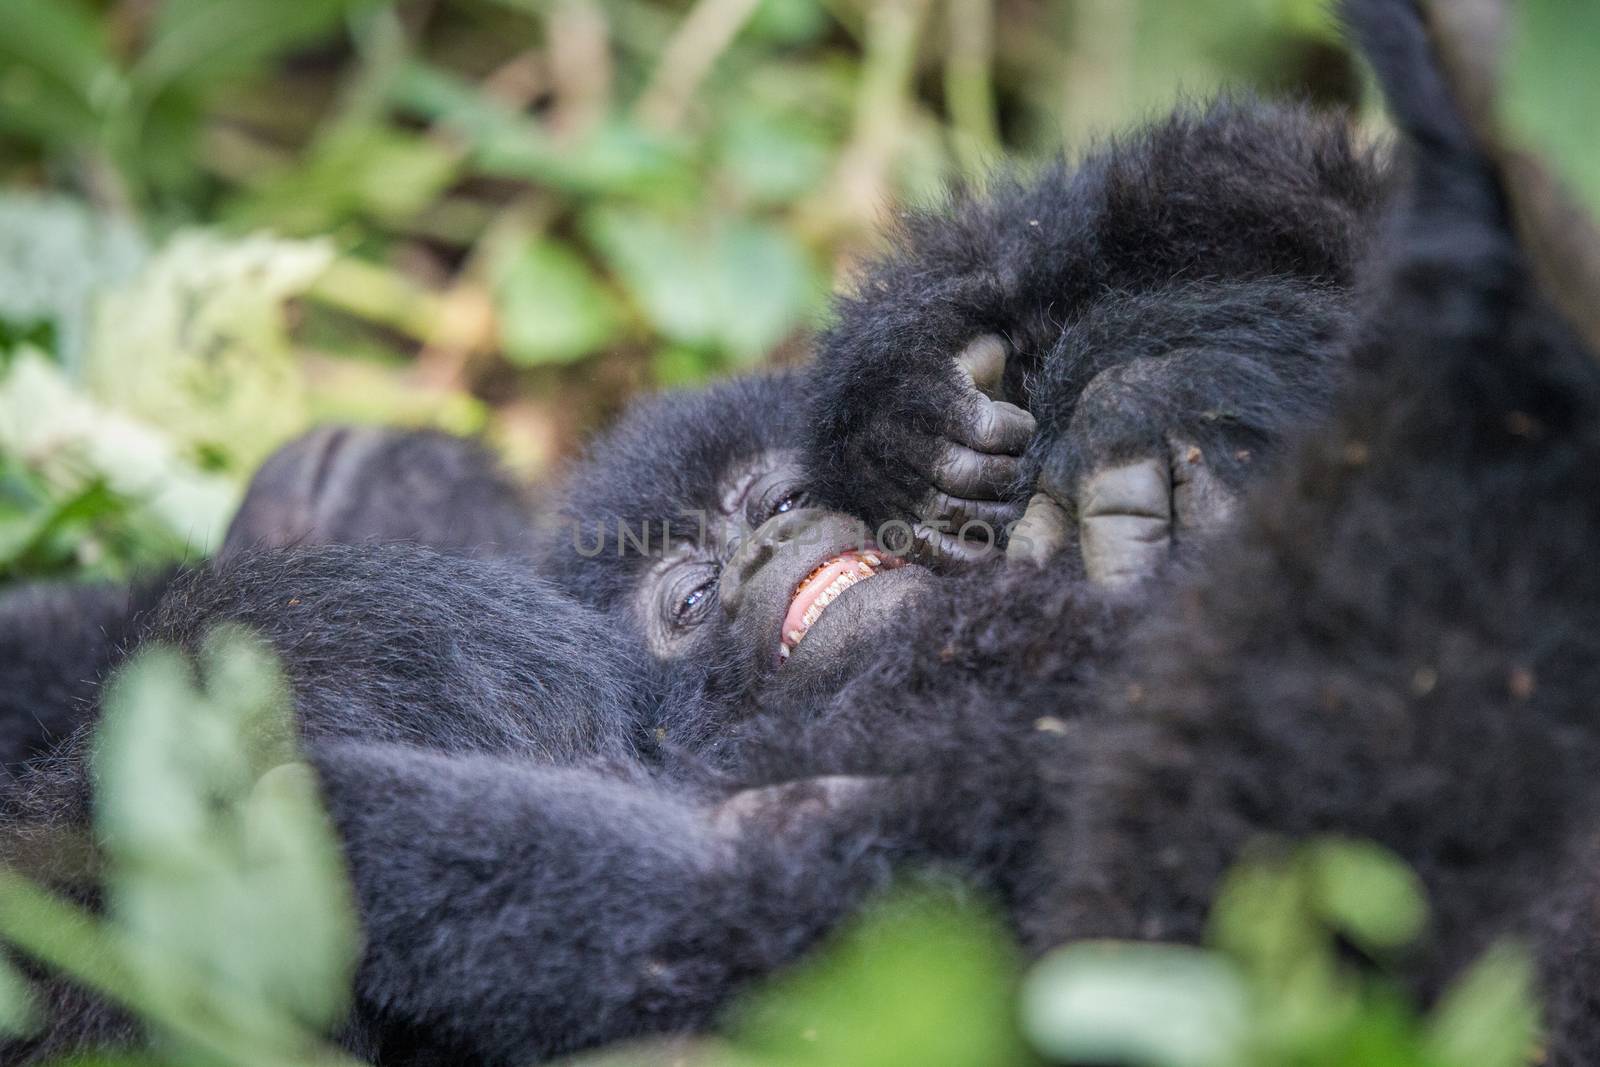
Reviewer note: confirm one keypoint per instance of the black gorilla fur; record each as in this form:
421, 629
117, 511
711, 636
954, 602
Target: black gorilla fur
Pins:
1234, 219
1396, 642
351, 485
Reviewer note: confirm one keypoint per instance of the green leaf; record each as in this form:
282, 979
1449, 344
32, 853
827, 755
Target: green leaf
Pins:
919, 979
55, 69
612, 159
788, 22
738, 286
1549, 93
774, 157
369, 171
1489, 1018
1367, 893
220, 868
677, 366
1153, 1005
552, 307
1263, 918
18, 1014
56, 256
198, 344
202, 42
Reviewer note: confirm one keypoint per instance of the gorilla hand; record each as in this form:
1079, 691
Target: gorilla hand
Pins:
1135, 471
906, 429
974, 468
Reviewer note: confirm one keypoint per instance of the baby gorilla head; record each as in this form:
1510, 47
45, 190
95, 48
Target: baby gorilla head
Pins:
690, 521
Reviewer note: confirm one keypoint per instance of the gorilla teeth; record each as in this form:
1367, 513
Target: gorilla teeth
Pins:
862, 565
830, 594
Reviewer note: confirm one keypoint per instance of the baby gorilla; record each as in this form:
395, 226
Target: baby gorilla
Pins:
1130, 340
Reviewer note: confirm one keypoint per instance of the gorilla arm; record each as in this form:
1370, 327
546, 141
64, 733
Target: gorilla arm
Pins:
1226, 194
515, 912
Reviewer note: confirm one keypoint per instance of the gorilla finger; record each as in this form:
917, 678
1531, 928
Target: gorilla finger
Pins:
983, 363
1126, 527
776, 809
963, 472
947, 547
959, 512
998, 427
970, 520
1201, 503
1043, 533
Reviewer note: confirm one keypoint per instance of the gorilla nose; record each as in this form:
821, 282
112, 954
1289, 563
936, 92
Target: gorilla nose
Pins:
746, 576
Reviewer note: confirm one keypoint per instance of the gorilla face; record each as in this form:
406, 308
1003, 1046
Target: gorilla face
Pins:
691, 523
772, 584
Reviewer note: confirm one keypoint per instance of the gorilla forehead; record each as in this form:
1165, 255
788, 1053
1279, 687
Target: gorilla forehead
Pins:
665, 461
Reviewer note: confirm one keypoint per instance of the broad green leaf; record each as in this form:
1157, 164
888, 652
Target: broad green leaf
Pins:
1489, 1018
1263, 915
1150, 1005
197, 344
18, 1013
918, 980
552, 307
56, 255
788, 22
71, 442
224, 867
1549, 93
738, 286
1367, 894
774, 158
677, 366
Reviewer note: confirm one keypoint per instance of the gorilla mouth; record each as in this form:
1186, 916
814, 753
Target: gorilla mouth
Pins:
825, 584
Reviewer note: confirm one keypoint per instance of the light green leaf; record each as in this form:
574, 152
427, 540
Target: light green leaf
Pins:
918, 980
612, 159
1151, 1005
1489, 1018
221, 869
18, 1014
372, 171
1367, 893
552, 307
55, 256
70, 442
738, 286
773, 157
1550, 95
197, 344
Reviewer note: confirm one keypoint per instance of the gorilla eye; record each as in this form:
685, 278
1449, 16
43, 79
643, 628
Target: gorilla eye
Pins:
782, 499
689, 599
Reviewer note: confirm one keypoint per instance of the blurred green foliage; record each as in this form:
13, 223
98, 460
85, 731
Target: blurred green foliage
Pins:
1551, 96
1279, 987
229, 929
517, 212
228, 926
